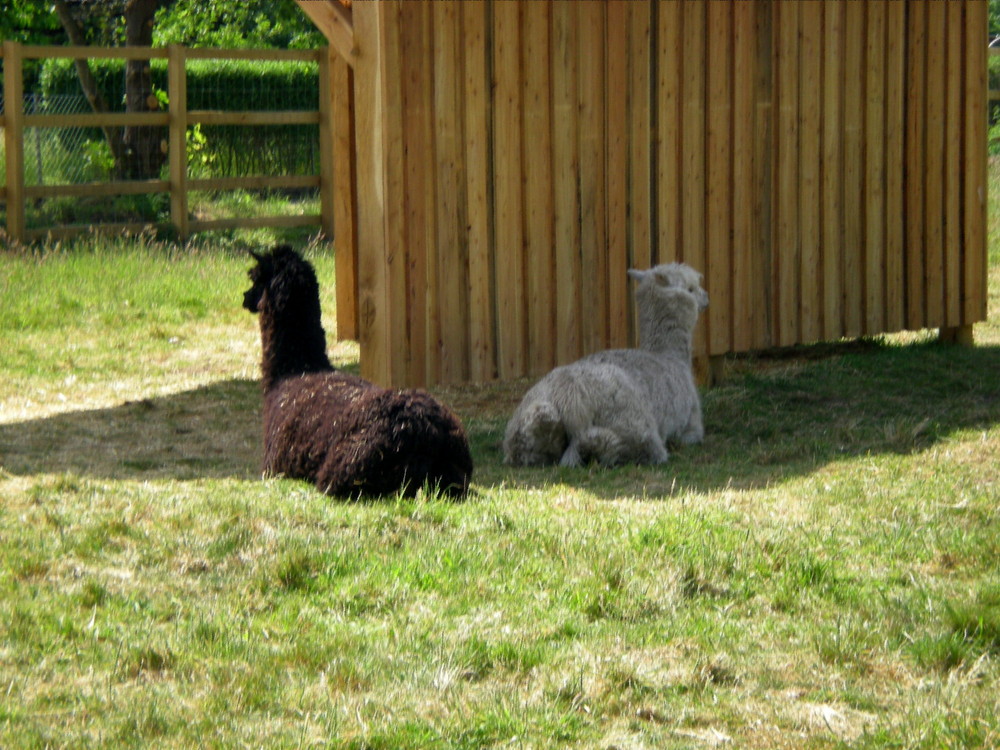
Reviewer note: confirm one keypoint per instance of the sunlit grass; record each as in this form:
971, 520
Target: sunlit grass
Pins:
821, 572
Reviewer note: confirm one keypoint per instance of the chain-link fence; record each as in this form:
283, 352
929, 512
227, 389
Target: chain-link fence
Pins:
59, 155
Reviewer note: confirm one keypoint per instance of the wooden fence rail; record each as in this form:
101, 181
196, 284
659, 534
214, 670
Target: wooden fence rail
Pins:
14, 121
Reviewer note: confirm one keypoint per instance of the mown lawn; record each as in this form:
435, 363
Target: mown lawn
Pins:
824, 571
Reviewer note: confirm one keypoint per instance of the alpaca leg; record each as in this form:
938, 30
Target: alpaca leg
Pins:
571, 456
609, 448
641, 439
604, 446
535, 436
694, 432
342, 473
653, 450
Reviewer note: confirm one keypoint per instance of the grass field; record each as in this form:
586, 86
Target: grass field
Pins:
823, 572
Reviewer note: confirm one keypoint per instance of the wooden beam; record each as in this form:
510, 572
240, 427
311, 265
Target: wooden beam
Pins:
284, 55
97, 120
255, 182
43, 52
131, 187
254, 222
40, 52
214, 117
337, 24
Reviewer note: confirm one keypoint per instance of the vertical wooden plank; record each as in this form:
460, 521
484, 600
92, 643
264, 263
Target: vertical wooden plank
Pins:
787, 238
538, 195
373, 310
479, 178
854, 208
640, 159
510, 281
810, 100
833, 168
934, 174
639, 110
344, 179
693, 139
669, 180
14, 138
449, 341
593, 209
954, 85
895, 133
417, 189
719, 179
395, 253
693, 135
974, 169
744, 236
177, 139
566, 167
916, 126
617, 173
874, 268
761, 307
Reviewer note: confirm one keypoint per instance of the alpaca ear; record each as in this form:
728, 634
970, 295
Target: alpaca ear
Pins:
256, 256
636, 274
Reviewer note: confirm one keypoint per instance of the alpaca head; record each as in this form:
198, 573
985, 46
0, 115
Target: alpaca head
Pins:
282, 280
286, 295
672, 276
669, 297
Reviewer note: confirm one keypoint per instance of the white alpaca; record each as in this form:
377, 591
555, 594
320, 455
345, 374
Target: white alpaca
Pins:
620, 405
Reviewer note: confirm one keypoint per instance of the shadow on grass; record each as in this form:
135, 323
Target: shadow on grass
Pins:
770, 420
208, 432
774, 418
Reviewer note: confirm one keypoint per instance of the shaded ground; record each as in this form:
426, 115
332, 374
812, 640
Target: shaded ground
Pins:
770, 420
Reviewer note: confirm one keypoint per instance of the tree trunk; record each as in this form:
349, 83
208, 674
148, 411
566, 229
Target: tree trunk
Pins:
138, 151
145, 150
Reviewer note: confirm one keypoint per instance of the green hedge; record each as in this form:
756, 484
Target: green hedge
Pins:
211, 84
233, 85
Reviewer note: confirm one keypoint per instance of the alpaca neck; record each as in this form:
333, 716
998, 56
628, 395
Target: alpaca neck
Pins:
674, 340
292, 346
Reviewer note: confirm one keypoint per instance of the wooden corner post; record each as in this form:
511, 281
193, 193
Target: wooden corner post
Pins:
177, 145
13, 83
338, 177
373, 295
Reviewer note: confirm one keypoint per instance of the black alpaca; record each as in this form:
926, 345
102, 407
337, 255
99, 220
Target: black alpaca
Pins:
348, 436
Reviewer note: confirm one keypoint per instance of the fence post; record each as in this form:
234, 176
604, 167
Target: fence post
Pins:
343, 192
13, 83
177, 142
326, 142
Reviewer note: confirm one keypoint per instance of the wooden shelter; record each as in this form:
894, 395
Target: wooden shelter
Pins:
499, 165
